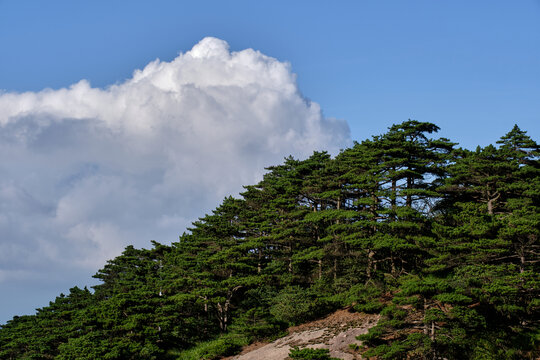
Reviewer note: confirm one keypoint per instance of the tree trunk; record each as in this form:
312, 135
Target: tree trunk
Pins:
393, 264
259, 265
223, 310
492, 197
408, 201
521, 259
290, 255
393, 196
426, 327
369, 269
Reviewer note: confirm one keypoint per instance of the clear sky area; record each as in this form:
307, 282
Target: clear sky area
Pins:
102, 145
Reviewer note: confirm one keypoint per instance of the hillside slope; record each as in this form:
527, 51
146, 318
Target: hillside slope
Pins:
442, 243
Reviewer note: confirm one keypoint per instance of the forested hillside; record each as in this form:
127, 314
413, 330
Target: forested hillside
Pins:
443, 242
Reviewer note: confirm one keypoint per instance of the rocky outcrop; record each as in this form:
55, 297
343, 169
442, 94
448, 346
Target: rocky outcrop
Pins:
334, 332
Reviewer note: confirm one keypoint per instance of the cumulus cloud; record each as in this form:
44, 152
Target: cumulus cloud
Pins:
86, 171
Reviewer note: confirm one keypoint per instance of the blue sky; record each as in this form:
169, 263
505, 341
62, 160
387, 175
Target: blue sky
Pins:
470, 67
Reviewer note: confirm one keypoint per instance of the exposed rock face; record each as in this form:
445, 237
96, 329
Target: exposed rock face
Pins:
335, 332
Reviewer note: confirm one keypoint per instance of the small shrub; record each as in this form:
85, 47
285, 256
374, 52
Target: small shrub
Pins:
370, 307
394, 312
295, 305
225, 345
257, 324
373, 336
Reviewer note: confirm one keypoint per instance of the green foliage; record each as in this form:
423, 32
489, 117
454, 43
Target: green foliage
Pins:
369, 307
215, 349
442, 242
295, 305
364, 298
258, 323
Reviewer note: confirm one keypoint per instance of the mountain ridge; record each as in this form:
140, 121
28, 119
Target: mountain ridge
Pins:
440, 243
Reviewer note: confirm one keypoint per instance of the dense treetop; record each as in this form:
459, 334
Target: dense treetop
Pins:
443, 242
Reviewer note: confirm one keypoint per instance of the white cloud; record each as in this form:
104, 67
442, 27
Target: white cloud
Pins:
86, 171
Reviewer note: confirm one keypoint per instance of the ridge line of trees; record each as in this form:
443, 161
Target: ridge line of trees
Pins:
443, 242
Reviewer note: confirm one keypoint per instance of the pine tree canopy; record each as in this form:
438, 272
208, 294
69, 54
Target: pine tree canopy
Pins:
442, 242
